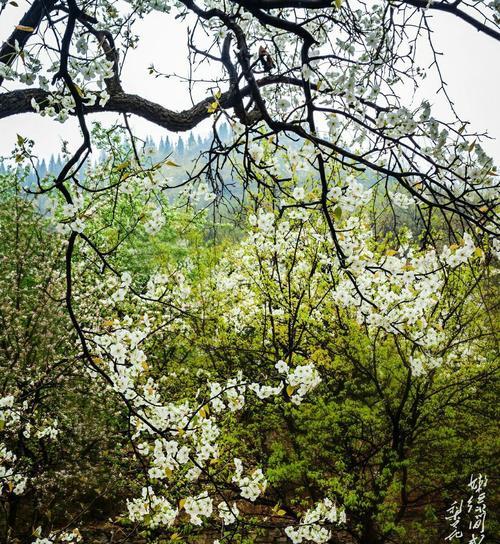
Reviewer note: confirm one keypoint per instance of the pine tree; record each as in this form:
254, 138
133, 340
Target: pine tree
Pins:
224, 132
191, 145
180, 147
168, 146
58, 164
52, 165
42, 168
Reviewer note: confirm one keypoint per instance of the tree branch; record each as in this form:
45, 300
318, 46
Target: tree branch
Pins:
20, 101
20, 36
453, 9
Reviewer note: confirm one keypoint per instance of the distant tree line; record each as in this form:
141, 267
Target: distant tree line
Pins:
182, 148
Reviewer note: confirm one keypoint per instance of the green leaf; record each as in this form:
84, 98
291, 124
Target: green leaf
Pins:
122, 166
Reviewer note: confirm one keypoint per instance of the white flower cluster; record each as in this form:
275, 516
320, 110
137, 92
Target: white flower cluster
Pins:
8, 415
456, 255
301, 380
72, 214
11, 478
198, 507
60, 106
126, 361
263, 221
167, 457
398, 122
351, 195
398, 290
252, 486
51, 431
58, 537
143, 7
121, 292
264, 391
402, 200
393, 290
312, 526
228, 514
199, 194
233, 393
175, 438
172, 287
155, 221
158, 509
95, 70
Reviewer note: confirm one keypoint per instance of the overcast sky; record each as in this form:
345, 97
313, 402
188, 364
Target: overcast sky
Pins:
469, 64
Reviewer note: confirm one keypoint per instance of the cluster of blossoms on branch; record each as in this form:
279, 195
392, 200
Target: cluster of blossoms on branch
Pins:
308, 255
15, 419
312, 527
59, 537
11, 478
396, 290
285, 262
179, 440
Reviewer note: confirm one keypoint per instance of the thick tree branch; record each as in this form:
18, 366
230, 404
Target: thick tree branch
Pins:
17, 102
22, 33
20, 101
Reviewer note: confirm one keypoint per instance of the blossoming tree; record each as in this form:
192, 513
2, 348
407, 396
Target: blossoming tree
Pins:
322, 145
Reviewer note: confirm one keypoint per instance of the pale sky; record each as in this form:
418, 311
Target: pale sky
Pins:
468, 65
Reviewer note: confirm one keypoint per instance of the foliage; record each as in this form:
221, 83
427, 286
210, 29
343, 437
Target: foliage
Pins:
296, 335
369, 402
